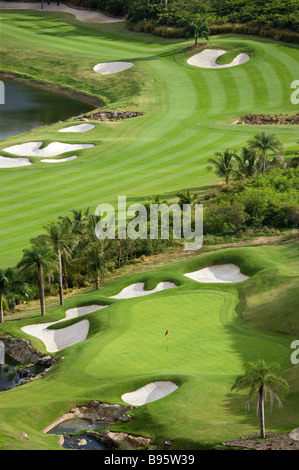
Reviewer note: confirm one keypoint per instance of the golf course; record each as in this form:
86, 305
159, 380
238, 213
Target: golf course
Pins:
180, 320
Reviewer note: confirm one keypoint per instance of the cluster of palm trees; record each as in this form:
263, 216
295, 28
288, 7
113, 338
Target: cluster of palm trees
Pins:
263, 152
67, 244
69, 253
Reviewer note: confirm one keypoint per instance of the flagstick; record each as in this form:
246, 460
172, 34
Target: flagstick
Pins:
167, 343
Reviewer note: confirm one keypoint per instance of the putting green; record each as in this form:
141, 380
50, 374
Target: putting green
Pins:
188, 114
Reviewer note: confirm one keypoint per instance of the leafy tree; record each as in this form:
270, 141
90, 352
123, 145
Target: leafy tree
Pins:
9, 286
36, 261
261, 379
264, 143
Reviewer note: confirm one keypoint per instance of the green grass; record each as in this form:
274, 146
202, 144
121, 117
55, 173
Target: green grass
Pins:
188, 111
126, 349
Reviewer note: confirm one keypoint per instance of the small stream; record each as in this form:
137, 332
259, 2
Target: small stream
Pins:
11, 376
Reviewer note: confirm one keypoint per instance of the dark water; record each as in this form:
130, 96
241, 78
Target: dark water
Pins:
27, 107
73, 426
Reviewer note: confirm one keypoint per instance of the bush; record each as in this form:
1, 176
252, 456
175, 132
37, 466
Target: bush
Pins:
225, 218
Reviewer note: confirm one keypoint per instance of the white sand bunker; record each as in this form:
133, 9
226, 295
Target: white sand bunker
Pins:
78, 128
6, 162
55, 340
59, 160
32, 149
150, 392
81, 15
218, 273
207, 59
112, 67
137, 290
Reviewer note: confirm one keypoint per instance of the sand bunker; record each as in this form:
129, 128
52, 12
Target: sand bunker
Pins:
32, 149
55, 340
137, 290
150, 392
112, 67
81, 15
218, 273
78, 128
207, 59
57, 160
6, 162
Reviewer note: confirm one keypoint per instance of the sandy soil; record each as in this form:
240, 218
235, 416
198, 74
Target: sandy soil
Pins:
32, 149
78, 128
55, 340
106, 68
61, 160
218, 273
150, 392
136, 290
6, 162
208, 57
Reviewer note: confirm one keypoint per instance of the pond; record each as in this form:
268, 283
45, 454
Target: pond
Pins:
27, 108
79, 441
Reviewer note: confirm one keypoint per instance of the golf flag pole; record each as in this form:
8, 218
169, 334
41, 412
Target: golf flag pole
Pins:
166, 334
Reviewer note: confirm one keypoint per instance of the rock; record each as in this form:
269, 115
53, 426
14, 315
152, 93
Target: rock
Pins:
82, 442
126, 418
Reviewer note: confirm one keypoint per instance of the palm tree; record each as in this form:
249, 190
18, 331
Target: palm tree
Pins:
36, 261
200, 29
223, 165
247, 164
92, 253
9, 286
262, 144
261, 379
59, 237
187, 198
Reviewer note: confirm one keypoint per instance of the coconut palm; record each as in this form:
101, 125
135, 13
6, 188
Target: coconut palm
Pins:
246, 164
37, 261
8, 287
261, 379
186, 197
200, 29
263, 144
223, 164
59, 236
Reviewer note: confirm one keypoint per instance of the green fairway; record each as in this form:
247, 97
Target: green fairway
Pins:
188, 114
126, 349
